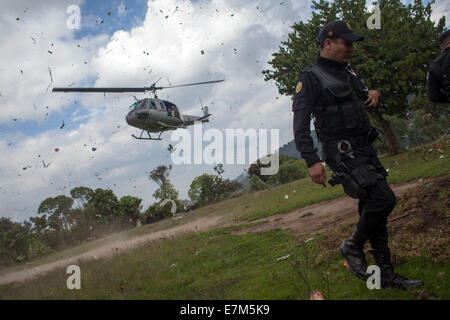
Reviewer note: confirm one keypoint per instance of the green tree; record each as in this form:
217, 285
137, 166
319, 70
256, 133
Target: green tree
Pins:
130, 208
160, 175
202, 189
81, 195
255, 169
292, 170
103, 206
40, 224
209, 188
15, 239
393, 59
58, 211
166, 190
256, 184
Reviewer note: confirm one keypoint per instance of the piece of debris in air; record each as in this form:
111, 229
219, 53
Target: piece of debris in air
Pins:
45, 165
316, 295
62, 126
284, 257
93, 148
170, 148
202, 52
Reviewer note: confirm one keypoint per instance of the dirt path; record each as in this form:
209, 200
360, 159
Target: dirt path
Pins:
319, 216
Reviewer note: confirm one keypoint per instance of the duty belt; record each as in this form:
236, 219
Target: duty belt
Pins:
355, 142
346, 146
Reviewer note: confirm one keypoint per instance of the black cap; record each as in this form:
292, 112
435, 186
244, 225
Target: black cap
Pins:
340, 29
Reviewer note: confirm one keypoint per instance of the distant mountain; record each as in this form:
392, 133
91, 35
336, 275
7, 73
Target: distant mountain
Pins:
288, 149
291, 150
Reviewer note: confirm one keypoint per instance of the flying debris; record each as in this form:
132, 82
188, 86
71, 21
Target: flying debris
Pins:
62, 126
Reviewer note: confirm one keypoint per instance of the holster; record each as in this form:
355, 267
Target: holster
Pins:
357, 181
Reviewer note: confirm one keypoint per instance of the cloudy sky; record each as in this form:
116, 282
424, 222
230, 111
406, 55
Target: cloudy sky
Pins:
53, 142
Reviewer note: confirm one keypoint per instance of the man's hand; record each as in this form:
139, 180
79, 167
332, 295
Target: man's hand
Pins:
318, 174
372, 100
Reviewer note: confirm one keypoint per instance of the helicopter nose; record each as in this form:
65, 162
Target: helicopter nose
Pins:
128, 119
142, 114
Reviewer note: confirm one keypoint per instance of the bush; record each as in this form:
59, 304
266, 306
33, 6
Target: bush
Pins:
292, 170
38, 248
256, 184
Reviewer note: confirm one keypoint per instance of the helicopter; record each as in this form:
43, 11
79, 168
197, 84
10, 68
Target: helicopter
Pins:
152, 115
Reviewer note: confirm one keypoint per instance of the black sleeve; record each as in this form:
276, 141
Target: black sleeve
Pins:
303, 103
434, 89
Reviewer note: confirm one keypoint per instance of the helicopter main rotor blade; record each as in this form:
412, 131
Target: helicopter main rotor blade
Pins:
101, 89
143, 89
189, 84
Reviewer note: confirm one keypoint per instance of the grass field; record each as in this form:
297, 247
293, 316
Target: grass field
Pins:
220, 264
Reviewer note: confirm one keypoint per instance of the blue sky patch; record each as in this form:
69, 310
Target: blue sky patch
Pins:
106, 17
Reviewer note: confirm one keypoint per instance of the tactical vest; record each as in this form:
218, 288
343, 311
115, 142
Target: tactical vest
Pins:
441, 69
344, 114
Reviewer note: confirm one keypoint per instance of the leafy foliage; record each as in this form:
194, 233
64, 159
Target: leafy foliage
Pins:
290, 169
256, 184
209, 188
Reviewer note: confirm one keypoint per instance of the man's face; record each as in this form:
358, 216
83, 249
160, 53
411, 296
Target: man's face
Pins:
338, 49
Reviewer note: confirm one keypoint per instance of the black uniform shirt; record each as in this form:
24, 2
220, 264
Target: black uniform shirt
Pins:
308, 95
434, 83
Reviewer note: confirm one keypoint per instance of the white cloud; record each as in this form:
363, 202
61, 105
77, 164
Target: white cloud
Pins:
440, 8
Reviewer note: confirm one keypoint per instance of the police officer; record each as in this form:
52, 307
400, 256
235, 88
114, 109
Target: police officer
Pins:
438, 79
337, 98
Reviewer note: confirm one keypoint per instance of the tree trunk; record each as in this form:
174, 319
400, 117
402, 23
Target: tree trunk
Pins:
392, 142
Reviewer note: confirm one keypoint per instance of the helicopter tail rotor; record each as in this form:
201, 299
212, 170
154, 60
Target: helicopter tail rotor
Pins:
205, 111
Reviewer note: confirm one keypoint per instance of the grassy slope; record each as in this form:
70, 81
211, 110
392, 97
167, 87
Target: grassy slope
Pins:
222, 265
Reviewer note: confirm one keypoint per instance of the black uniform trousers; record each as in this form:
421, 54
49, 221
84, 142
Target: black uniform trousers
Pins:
380, 200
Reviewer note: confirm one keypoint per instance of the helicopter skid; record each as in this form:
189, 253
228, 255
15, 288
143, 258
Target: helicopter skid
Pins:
149, 136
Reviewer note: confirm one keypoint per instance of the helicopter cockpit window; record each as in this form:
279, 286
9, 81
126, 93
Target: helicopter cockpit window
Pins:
152, 105
140, 104
162, 105
133, 106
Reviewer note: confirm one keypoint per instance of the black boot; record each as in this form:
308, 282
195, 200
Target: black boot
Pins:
390, 279
352, 251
